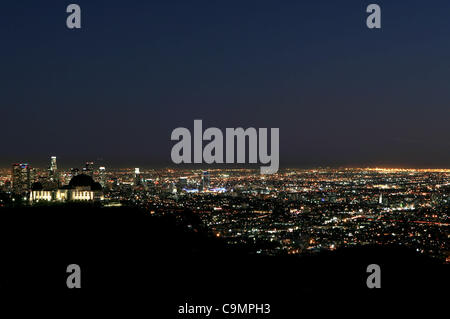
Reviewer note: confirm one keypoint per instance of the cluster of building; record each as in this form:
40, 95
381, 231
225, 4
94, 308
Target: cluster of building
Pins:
31, 185
307, 211
291, 212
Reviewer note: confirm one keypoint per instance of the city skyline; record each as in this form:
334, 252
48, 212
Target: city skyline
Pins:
295, 211
65, 164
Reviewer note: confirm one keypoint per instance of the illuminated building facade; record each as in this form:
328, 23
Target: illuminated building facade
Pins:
81, 188
89, 169
102, 176
21, 178
53, 175
205, 184
137, 177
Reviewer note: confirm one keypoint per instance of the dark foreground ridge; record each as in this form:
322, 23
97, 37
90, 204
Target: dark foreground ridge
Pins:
128, 254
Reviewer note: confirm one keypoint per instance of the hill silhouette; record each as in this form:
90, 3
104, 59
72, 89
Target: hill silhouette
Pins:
129, 253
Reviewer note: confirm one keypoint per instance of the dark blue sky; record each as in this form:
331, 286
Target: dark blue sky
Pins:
340, 93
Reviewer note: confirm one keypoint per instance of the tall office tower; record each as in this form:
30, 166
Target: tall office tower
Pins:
89, 169
53, 166
21, 178
205, 184
102, 176
34, 176
53, 171
137, 177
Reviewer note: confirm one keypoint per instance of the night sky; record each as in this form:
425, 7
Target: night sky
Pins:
113, 91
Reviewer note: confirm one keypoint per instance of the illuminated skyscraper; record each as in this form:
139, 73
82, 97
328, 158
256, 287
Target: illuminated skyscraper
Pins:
89, 169
53, 171
137, 177
205, 184
21, 178
53, 166
102, 176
